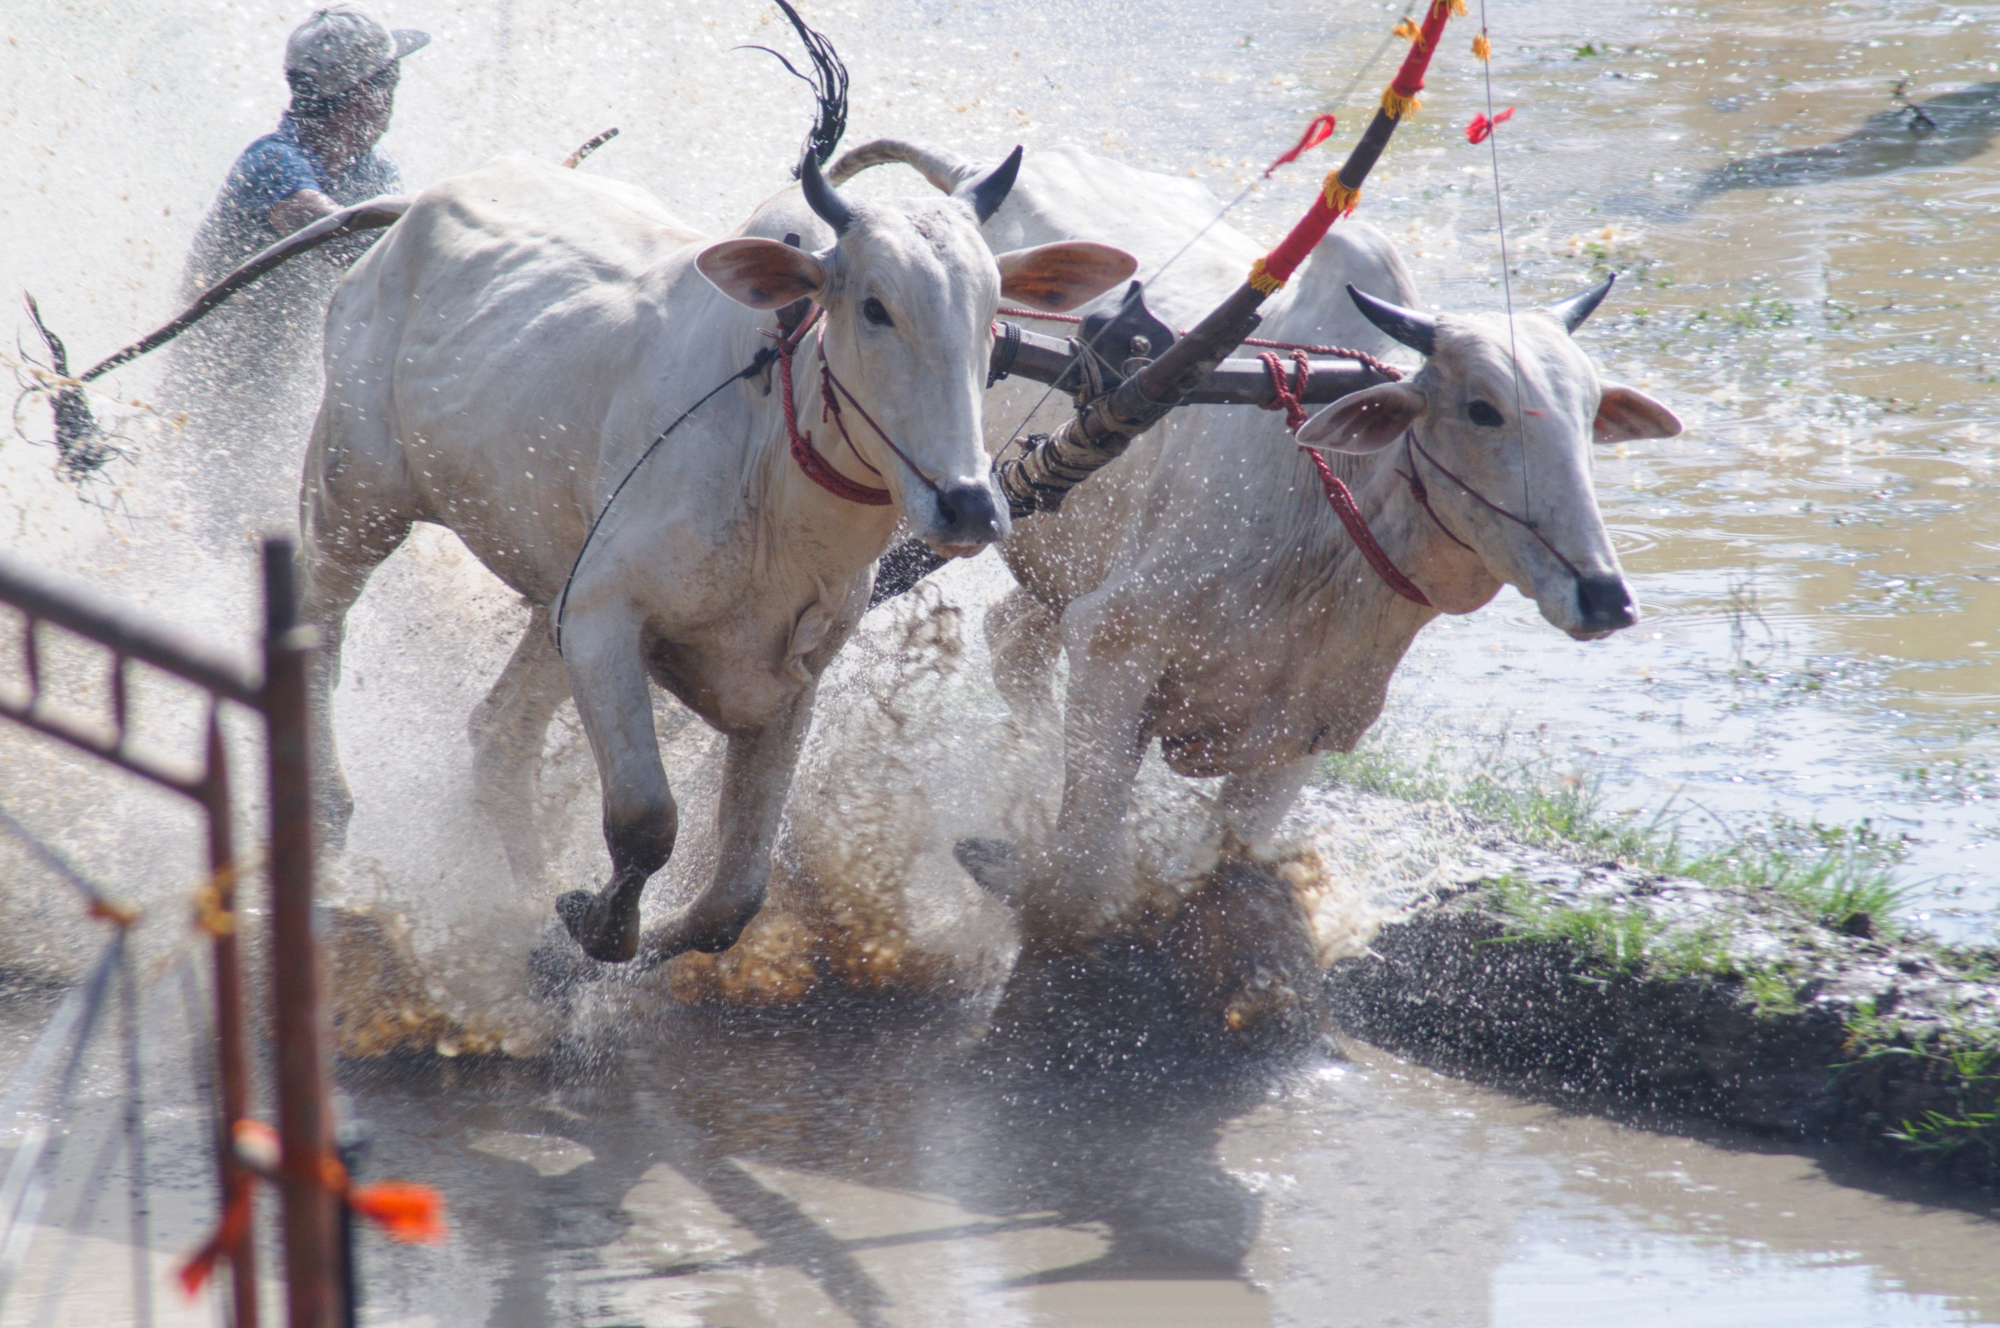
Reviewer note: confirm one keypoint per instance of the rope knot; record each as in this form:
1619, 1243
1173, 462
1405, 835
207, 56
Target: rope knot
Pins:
1287, 397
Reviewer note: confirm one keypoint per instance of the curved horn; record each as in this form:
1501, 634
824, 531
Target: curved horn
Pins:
943, 169
822, 198
1415, 330
1576, 308
987, 196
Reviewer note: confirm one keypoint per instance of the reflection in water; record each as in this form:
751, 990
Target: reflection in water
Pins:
1918, 135
878, 1166
898, 1167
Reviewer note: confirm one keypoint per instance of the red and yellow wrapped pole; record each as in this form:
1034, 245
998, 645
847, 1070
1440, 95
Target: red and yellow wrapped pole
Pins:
1101, 429
1341, 192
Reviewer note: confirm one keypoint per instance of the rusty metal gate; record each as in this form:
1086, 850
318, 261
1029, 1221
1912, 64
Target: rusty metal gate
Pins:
314, 1252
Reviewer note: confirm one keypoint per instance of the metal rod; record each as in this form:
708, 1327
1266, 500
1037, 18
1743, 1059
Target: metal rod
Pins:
312, 1250
92, 741
232, 1065
43, 597
1240, 381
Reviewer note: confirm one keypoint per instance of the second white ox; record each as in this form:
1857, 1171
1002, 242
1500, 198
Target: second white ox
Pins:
499, 363
1201, 587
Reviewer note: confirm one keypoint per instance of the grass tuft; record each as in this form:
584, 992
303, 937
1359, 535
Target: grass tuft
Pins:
1838, 877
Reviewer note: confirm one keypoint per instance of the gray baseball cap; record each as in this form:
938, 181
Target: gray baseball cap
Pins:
338, 47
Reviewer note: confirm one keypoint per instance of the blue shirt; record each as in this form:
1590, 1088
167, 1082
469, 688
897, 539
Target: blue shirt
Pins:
269, 171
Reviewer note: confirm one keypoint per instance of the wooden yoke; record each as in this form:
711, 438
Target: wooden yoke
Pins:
1105, 426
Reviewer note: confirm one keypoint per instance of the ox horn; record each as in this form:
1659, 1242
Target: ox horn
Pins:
987, 196
823, 198
1576, 308
1415, 330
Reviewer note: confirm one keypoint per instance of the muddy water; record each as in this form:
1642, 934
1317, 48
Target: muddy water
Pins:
1812, 278
866, 1167
1816, 554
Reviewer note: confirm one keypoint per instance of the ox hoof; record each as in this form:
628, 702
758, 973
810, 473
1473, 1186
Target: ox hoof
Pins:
993, 864
607, 931
557, 969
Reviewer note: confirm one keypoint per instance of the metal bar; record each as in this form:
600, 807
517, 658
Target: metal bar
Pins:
232, 1065
121, 696
135, 1136
188, 785
1239, 381
312, 1252
42, 597
31, 657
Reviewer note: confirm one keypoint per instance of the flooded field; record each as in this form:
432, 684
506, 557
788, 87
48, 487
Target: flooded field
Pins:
1800, 200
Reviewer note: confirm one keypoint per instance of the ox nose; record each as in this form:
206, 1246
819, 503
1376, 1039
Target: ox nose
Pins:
969, 517
1604, 604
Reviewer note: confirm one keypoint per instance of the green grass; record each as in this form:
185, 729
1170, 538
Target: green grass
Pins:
1615, 939
1967, 1062
1839, 877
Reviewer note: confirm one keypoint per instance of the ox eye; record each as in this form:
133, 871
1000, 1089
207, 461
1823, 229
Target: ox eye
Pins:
1484, 415
872, 310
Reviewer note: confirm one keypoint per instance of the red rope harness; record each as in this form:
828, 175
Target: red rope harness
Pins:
1338, 497
816, 467
1287, 396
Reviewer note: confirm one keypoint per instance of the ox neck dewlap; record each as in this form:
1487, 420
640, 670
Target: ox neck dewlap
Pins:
1286, 396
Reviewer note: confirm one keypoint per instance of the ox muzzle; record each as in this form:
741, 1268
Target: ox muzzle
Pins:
969, 517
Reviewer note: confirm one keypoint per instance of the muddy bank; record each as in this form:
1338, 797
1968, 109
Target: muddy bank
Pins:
1597, 983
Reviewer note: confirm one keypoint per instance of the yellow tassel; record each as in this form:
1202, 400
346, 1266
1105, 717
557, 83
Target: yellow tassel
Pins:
1408, 31
1263, 282
1399, 107
1482, 48
1340, 200
1458, 8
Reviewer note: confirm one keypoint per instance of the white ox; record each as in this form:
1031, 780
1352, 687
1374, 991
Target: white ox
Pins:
497, 365
1201, 587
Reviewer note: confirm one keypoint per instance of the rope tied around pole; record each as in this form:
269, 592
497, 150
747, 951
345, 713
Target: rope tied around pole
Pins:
1341, 192
405, 1211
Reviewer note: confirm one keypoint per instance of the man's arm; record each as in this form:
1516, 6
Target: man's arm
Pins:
299, 209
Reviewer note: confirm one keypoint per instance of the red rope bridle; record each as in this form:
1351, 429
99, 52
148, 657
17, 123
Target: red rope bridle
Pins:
1287, 398
1338, 497
816, 467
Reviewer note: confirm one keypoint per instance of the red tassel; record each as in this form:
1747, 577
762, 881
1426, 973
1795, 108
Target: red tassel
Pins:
1320, 130
1482, 128
403, 1210
228, 1237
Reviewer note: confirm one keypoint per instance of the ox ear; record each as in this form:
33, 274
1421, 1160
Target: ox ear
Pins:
762, 273
1365, 421
1058, 277
1625, 413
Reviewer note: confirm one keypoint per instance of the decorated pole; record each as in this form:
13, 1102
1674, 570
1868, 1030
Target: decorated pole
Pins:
1100, 432
1102, 428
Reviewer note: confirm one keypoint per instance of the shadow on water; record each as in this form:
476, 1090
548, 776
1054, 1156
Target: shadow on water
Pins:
1071, 1134
1925, 135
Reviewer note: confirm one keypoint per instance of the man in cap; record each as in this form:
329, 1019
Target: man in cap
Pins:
342, 67
248, 377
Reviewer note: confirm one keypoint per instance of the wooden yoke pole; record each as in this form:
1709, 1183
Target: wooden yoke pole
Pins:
1100, 431
305, 1118
1102, 428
